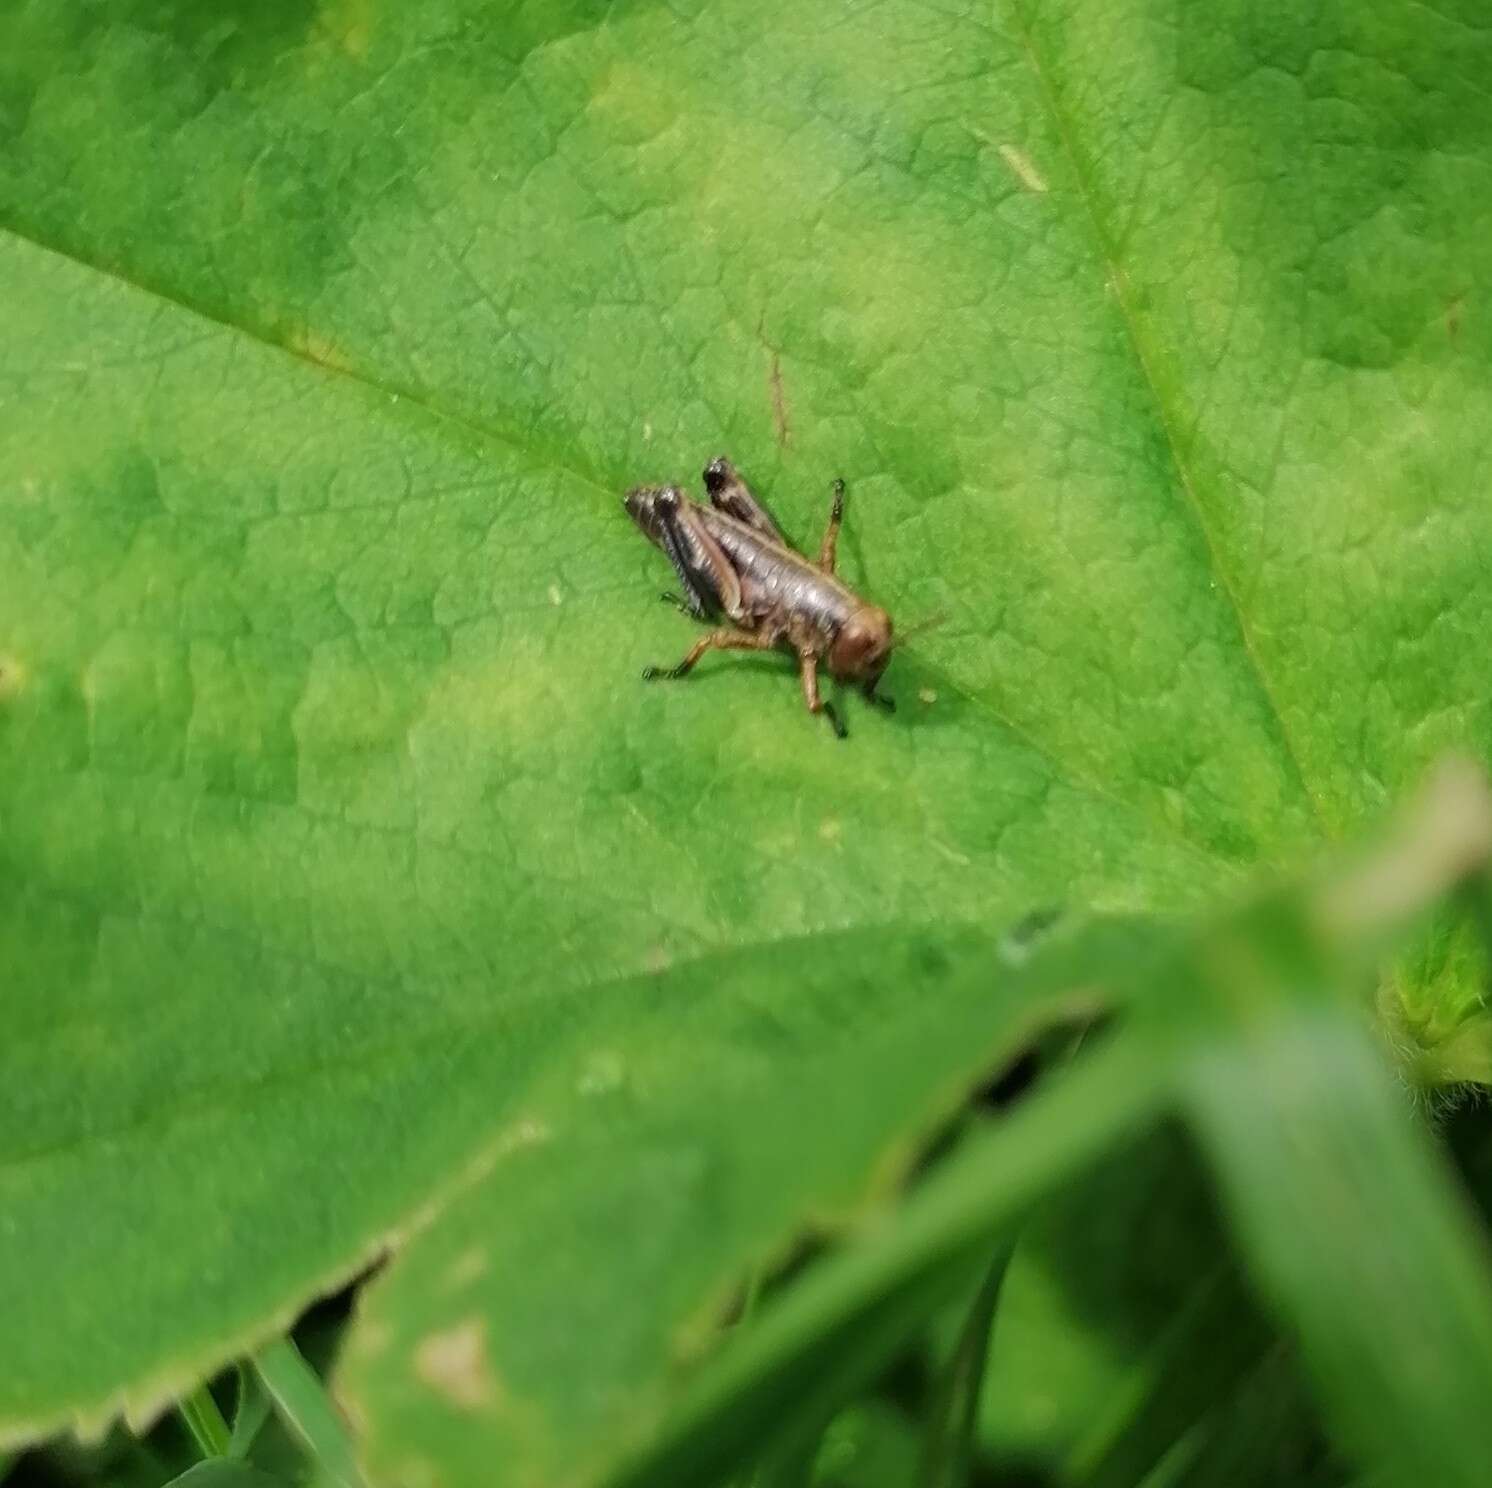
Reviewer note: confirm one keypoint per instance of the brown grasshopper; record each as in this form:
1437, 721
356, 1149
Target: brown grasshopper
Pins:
733, 560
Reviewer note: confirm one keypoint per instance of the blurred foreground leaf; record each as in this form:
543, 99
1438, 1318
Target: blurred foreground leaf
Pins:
515, 1343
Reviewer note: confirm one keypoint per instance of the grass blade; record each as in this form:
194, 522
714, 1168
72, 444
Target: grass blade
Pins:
956, 1409
253, 1410
1357, 1236
205, 1421
302, 1403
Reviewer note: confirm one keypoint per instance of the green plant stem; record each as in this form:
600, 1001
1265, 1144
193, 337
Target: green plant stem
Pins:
955, 1408
205, 1421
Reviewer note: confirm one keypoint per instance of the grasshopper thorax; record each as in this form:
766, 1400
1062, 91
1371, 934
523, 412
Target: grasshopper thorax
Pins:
862, 648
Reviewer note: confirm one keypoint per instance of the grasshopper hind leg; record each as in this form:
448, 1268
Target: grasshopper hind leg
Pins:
717, 640
730, 494
657, 510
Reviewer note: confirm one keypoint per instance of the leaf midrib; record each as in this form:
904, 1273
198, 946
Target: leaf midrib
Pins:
1108, 253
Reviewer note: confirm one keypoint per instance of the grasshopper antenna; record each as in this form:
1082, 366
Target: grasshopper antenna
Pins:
932, 622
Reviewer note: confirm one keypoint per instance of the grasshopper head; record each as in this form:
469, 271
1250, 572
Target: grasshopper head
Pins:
862, 647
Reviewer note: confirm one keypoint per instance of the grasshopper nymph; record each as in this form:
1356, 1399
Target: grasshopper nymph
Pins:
733, 561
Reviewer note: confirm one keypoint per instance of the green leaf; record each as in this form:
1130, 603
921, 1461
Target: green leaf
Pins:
314, 874
331, 809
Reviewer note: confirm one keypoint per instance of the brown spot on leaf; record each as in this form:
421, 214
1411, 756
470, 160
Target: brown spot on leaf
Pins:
774, 384
454, 1364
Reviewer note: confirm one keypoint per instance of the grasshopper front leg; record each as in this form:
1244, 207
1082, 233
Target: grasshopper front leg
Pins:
717, 640
808, 665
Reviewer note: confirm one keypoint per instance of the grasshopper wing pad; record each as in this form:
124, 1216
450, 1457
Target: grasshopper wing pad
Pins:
732, 495
667, 517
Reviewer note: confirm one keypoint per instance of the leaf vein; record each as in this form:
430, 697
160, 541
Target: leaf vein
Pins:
1109, 252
